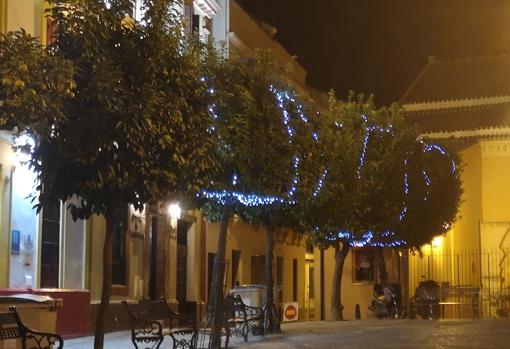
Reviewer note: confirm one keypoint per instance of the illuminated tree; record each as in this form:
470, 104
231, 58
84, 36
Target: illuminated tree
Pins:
433, 193
136, 129
257, 120
379, 181
309, 170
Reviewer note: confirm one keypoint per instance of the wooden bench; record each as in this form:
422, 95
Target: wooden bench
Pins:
469, 295
241, 318
11, 327
450, 296
151, 321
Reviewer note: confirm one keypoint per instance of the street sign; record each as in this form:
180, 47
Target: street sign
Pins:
291, 311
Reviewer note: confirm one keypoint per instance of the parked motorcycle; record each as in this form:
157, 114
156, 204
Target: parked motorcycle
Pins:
387, 301
426, 300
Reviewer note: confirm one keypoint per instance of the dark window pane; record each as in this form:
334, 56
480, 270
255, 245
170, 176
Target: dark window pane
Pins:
236, 258
182, 253
294, 279
119, 248
50, 246
210, 268
257, 269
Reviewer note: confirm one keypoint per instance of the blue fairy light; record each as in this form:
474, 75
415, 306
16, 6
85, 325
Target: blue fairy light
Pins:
320, 184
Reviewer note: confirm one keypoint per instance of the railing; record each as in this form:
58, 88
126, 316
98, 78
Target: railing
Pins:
473, 283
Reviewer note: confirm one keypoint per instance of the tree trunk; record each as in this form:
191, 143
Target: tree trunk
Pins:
336, 295
270, 325
107, 282
215, 308
381, 265
153, 276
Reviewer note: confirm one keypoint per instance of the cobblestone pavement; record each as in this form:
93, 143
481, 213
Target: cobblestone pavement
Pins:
382, 334
373, 334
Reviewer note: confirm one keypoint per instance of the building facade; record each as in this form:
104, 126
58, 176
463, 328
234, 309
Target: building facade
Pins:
467, 102
157, 253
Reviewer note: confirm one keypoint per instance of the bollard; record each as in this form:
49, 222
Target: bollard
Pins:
357, 312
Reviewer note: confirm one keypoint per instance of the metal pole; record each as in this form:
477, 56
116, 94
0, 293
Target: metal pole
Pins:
153, 278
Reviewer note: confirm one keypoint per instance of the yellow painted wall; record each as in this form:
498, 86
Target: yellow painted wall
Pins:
3, 16
252, 241
496, 193
14, 14
353, 292
25, 14
466, 234
439, 260
6, 156
96, 227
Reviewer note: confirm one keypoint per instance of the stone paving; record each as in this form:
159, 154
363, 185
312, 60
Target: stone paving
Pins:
405, 334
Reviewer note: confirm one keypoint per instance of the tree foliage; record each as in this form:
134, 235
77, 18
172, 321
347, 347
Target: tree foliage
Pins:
434, 193
34, 84
364, 162
254, 145
137, 128
384, 186
118, 107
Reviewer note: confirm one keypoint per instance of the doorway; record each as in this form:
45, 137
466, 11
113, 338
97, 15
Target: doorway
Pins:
182, 254
310, 289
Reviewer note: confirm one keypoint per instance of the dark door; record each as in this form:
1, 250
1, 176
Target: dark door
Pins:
50, 247
182, 253
210, 267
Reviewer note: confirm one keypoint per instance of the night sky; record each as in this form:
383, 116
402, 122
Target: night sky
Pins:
380, 46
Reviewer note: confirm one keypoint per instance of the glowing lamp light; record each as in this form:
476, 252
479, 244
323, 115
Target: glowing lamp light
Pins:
437, 241
174, 211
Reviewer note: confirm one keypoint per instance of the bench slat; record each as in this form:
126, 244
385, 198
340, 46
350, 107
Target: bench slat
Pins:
10, 333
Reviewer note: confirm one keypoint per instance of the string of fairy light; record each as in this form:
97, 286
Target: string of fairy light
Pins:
368, 238
368, 130
286, 99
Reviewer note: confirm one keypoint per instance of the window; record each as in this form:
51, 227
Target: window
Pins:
294, 280
210, 268
279, 277
236, 258
279, 270
207, 29
363, 265
188, 16
257, 269
311, 283
119, 248
50, 247
51, 28
182, 254
195, 24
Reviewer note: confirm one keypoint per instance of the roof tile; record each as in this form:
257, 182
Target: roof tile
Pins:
461, 79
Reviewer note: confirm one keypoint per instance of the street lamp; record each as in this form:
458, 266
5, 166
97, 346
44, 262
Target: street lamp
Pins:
174, 211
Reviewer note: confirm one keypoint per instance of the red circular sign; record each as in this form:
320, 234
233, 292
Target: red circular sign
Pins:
290, 311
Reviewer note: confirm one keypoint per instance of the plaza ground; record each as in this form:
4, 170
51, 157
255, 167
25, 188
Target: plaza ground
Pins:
405, 334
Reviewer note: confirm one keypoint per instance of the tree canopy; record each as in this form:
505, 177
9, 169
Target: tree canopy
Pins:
34, 84
382, 180
119, 110
137, 127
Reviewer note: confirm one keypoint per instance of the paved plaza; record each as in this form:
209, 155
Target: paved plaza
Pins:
405, 334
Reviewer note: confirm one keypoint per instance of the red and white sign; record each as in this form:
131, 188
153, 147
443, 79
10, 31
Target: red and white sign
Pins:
290, 311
